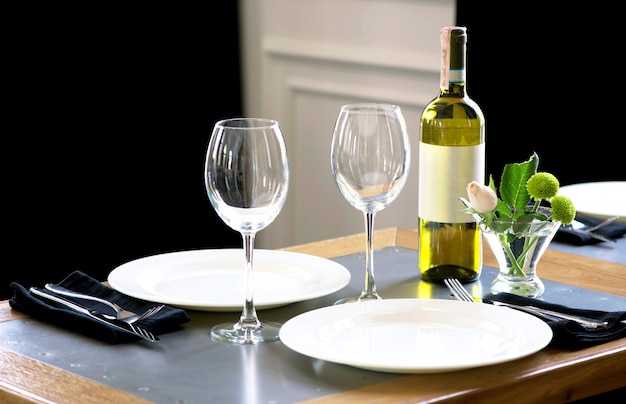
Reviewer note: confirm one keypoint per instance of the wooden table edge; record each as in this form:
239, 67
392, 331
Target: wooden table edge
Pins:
597, 369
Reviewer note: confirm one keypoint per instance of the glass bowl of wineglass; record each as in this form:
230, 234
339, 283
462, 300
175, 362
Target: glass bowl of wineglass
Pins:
247, 178
370, 159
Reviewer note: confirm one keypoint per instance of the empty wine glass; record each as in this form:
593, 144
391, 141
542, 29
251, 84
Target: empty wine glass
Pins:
247, 178
370, 158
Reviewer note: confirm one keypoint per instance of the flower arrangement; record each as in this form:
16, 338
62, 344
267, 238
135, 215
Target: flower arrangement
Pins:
518, 212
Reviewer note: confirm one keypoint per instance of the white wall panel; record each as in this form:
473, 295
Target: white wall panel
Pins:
303, 60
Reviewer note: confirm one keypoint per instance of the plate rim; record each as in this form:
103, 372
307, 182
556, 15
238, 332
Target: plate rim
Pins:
139, 264
542, 330
566, 189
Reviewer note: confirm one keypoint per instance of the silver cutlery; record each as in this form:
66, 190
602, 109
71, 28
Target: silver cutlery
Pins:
119, 324
120, 312
459, 292
588, 323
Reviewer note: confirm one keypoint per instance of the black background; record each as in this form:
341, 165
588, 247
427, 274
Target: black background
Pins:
110, 115
548, 81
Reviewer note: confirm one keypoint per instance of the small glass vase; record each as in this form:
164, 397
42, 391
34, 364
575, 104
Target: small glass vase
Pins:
518, 249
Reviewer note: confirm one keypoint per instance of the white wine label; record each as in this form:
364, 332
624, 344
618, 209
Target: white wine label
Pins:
444, 173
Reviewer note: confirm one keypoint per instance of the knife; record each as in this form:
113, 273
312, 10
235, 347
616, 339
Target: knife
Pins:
119, 324
586, 322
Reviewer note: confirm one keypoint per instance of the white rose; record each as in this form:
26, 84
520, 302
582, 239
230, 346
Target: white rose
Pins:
482, 198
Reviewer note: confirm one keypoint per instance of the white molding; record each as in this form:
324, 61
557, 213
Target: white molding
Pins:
382, 94
352, 54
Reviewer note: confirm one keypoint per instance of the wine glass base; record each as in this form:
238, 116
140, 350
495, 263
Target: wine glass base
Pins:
236, 334
358, 299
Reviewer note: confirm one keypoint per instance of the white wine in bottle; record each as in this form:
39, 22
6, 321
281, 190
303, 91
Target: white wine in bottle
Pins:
451, 155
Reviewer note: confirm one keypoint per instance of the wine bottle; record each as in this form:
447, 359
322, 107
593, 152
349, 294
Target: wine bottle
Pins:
451, 155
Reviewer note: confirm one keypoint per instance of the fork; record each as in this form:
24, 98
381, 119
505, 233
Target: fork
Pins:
579, 227
120, 313
147, 314
459, 292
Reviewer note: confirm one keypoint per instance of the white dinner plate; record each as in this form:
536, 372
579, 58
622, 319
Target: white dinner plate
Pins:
214, 279
415, 335
598, 199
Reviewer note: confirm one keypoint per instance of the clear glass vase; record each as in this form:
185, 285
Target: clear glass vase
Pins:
518, 248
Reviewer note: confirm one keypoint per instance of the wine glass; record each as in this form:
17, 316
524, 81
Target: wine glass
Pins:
370, 158
247, 178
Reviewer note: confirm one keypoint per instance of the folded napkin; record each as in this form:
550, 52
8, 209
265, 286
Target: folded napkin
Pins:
569, 334
166, 320
612, 231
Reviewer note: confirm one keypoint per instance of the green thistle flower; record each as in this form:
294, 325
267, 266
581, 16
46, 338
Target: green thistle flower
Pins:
542, 186
562, 209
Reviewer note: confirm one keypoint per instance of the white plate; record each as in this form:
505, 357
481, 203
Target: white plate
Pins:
598, 199
415, 335
214, 280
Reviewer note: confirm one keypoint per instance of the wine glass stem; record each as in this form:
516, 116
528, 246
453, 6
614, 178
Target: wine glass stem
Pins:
369, 292
249, 319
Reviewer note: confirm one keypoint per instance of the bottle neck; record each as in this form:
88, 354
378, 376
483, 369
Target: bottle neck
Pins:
453, 53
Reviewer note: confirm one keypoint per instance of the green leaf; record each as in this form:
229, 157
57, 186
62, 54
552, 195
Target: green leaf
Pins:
523, 223
513, 182
504, 211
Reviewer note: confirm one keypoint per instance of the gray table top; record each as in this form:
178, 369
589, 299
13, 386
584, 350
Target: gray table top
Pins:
188, 367
612, 252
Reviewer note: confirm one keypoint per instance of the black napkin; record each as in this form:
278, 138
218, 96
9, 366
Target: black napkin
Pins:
612, 231
166, 320
569, 334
